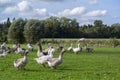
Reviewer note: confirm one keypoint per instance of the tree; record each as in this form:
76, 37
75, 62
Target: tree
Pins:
1, 31
5, 26
115, 30
98, 23
33, 30
15, 32
69, 27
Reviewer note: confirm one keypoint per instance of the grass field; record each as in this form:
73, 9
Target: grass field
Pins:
102, 64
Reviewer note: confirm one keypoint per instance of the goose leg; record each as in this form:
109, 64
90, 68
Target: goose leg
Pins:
53, 67
43, 65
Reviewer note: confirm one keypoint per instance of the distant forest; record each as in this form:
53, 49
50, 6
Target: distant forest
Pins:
22, 30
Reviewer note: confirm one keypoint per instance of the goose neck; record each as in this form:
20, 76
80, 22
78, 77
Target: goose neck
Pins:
25, 56
39, 48
60, 56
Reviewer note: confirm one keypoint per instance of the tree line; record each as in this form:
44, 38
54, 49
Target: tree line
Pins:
31, 30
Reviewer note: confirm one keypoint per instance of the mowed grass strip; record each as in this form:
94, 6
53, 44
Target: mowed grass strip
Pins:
101, 64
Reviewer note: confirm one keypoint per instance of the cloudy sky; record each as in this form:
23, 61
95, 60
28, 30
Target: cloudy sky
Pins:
85, 11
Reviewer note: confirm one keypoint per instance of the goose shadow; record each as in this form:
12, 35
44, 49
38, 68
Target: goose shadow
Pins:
33, 70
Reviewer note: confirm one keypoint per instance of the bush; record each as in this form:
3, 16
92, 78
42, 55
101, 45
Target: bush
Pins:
114, 42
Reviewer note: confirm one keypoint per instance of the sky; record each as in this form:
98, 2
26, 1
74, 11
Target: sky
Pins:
84, 11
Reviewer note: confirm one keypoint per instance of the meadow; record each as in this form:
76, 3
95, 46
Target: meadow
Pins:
101, 64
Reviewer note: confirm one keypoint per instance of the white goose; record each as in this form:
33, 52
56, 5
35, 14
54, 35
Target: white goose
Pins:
49, 49
3, 54
54, 62
76, 50
43, 59
20, 63
30, 46
70, 48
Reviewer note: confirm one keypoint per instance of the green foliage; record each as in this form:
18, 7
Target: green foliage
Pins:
15, 32
54, 27
114, 42
51, 27
33, 30
4, 30
98, 23
115, 30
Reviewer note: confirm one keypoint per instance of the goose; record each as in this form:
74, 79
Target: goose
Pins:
3, 54
70, 48
8, 50
49, 49
60, 47
76, 50
15, 46
20, 50
40, 52
43, 59
88, 49
3, 46
30, 46
20, 63
54, 62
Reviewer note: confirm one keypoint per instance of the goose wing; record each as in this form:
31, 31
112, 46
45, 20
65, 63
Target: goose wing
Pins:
18, 62
54, 62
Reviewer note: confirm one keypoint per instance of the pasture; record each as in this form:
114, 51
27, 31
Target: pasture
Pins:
101, 64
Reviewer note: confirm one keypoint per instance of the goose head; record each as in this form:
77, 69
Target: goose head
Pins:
63, 50
26, 52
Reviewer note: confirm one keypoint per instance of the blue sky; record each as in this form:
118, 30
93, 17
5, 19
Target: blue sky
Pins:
84, 11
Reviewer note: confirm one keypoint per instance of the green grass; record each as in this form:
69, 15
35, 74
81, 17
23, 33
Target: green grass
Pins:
102, 64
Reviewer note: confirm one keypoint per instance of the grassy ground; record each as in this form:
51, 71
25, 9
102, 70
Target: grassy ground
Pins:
102, 64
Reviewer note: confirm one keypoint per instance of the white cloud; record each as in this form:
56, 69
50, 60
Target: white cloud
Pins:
10, 10
41, 11
89, 17
24, 6
20, 7
74, 11
34, 13
96, 13
93, 2
24, 9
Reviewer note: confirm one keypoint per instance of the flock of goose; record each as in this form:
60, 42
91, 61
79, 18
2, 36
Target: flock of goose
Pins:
43, 56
